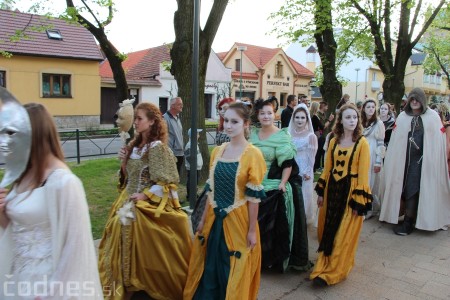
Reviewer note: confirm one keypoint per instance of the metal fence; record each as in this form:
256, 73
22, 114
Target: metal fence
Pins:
95, 143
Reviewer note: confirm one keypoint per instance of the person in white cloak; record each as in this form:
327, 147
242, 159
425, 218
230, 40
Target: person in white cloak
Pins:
414, 178
46, 245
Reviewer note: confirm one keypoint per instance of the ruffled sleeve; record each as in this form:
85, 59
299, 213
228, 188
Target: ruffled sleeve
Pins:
381, 148
321, 183
254, 190
284, 149
361, 198
312, 150
164, 173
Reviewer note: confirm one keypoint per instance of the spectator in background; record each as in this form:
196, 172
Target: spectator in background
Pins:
345, 98
321, 125
388, 121
359, 105
172, 117
222, 106
187, 155
304, 99
286, 114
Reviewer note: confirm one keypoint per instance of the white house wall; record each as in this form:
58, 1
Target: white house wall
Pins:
218, 78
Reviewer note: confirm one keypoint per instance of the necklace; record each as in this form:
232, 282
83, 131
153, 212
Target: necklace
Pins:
301, 131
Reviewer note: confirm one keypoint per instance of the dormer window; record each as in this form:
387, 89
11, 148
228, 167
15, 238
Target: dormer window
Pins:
54, 34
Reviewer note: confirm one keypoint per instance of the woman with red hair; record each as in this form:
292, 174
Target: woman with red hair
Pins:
222, 106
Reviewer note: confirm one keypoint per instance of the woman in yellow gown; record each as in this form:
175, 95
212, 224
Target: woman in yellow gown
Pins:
344, 197
146, 244
226, 256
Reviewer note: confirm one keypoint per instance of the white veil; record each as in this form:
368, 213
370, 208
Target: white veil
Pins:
291, 127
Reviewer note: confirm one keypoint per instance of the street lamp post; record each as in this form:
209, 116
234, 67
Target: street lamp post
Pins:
241, 49
356, 96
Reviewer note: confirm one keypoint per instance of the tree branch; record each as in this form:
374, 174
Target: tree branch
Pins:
428, 22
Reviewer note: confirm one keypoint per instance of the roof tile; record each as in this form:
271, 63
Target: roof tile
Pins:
77, 42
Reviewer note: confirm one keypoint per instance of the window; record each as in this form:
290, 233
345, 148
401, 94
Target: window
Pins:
56, 85
54, 34
426, 78
374, 76
237, 67
3, 79
279, 69
432, 78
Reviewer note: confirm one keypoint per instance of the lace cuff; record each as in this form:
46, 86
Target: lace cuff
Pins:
361, 200
255, 191
320, 187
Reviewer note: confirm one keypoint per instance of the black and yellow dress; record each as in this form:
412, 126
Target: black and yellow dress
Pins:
344, 184
146, 246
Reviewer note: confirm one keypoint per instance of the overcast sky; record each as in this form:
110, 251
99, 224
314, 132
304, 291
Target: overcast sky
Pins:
149, 23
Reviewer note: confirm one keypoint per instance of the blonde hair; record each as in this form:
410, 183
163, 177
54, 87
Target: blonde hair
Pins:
314, 108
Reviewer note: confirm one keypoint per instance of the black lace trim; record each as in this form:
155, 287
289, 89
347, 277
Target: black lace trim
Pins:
320, 187
287, 163
361, 209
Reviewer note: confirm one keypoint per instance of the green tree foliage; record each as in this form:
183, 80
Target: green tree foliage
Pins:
437, 45
319, 22
395, 29
384, 30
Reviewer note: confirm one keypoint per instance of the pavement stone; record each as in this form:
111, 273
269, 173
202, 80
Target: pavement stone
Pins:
387, 266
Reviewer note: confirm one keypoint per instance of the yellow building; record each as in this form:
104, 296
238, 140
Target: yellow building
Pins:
56, 64
265, 72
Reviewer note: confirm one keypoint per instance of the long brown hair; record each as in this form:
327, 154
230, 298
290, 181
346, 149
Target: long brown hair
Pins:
338, 128
366, 122
44, 140
244, 112
158, 131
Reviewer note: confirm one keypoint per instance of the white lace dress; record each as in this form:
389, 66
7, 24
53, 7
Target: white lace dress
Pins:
47, 249
306, 147
32, 245
374, 134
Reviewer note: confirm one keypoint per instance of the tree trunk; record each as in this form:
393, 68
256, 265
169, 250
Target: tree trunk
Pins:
181, 55
331, 88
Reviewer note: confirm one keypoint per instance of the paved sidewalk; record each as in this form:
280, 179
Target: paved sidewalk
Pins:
387, 266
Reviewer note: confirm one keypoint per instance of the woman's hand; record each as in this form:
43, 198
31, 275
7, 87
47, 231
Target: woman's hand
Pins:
123, 153
376, 169
251, 239
306, 177
138, 196
282, 186
3, 193
320, 201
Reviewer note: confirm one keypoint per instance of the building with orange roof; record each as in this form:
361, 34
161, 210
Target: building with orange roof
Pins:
54, 63
150, 81
266, 72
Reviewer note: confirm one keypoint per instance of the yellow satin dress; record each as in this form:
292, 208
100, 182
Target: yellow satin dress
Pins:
353, 161
146, 246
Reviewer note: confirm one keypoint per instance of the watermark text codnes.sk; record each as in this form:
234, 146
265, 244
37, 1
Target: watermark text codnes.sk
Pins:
46, 288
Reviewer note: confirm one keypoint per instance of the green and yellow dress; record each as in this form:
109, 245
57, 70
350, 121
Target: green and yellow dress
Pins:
344, 184
146, 246
222, 266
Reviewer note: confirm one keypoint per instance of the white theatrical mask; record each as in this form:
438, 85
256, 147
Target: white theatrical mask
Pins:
15, 137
